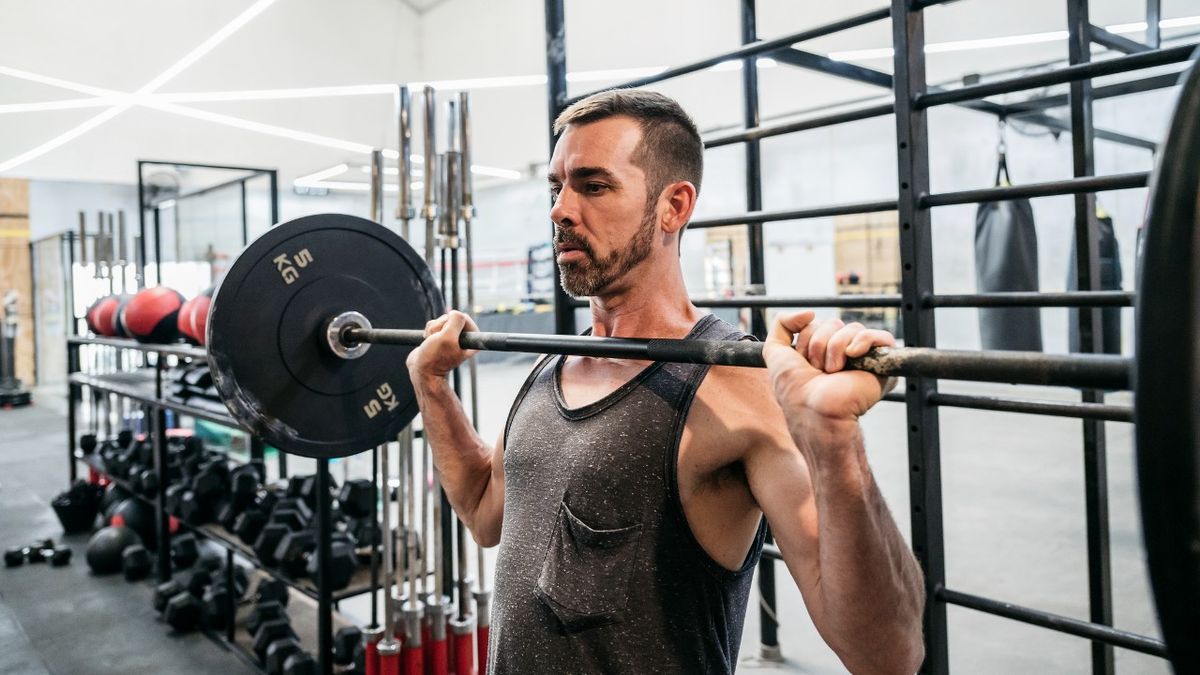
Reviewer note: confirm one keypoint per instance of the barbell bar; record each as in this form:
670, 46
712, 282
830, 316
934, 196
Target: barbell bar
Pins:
1090, 371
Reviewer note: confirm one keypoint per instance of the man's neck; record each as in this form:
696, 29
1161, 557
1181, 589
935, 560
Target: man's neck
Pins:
653, 306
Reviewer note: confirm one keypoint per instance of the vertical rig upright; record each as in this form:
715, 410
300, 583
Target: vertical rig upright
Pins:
1091, 335
916, 282
556, 82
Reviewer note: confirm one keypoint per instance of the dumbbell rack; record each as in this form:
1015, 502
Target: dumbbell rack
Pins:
312, 605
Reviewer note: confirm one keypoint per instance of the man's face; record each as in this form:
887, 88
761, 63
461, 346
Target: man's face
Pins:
604, 227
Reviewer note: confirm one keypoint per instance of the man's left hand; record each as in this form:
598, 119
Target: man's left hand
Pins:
806, 359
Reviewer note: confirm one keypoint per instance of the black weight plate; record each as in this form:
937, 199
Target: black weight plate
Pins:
1168, 383
266, 334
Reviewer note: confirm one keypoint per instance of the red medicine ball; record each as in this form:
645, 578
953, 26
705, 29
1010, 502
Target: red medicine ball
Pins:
117, 326
183, 322
199, 316
93, 311
103, 316
152, 315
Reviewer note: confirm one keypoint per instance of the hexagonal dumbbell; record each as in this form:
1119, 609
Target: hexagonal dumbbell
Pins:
271, 590
183, 612
344, 642
135, 562
278, 652
184, 550
249, 524
262, 613
164, 592
269, 632
357, 498
268, 540
292, 552
300, 663
342, 564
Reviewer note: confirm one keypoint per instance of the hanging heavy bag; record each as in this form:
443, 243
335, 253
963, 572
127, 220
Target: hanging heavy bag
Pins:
1110, 280
1006, 259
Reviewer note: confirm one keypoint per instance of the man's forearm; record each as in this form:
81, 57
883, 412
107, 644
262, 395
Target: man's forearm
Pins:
463, 460
870, 584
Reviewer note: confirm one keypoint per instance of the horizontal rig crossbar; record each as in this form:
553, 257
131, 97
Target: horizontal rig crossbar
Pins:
794, 214
1054, 188
1062, 624
752, 49
1083, 71
1034, 299
1090, 371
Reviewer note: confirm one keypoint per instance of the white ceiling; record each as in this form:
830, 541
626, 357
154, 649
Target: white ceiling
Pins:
316, 43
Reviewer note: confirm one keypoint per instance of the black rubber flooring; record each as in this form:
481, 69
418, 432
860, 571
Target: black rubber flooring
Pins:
65, 620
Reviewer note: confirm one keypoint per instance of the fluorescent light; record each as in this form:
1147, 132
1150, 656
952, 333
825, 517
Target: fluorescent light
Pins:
206, 46
1180, 22
614, 74
65, 104
260, 127
352, 186
478, 169
64, 138
277, 94
138, 97
484, 82
991, 43
481, 170
56, 82
322, 175
388, 170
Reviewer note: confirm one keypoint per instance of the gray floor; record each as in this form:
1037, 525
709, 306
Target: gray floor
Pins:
1014, 523
64, 620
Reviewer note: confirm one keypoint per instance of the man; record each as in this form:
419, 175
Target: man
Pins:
628, 498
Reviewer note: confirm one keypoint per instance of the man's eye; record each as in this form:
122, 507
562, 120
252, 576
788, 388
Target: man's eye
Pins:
554, 190
595, 188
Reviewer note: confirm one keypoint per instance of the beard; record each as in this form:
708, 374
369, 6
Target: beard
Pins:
593, 274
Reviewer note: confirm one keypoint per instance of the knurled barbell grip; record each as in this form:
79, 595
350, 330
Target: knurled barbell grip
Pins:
1089, 371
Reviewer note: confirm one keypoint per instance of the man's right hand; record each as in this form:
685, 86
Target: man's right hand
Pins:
439, 353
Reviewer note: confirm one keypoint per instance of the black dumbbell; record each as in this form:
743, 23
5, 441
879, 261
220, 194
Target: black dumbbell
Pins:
270, 631
344, 642
61, 556
87, 443
174, 497
183, 612
135, 562
14, 556
277, 653
184, 550
342, 564
249, 524
357, 498
262, 613
270, 589
267, 541
164, 592
293, 550
300, 663
215, 604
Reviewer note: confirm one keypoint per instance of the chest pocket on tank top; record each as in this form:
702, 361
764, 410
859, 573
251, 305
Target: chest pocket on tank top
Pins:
585, 574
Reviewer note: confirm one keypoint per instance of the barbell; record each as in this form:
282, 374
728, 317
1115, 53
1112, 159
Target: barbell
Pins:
292, 325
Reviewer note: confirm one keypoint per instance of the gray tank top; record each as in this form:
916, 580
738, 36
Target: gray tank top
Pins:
598, 571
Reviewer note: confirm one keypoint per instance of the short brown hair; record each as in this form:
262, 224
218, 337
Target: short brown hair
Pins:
670, 149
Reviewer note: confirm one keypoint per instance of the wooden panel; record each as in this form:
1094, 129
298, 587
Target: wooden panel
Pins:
14, 198
15, 267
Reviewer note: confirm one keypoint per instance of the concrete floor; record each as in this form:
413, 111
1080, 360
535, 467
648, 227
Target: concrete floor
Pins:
1014, 524
64, 619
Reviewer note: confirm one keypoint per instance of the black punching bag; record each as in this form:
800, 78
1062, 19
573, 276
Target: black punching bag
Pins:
1006, 259
1110, 280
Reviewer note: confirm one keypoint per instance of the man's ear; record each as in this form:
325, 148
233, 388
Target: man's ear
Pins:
680, 201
